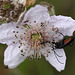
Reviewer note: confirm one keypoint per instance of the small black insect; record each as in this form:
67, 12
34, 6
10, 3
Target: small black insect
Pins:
59, 45
63, 43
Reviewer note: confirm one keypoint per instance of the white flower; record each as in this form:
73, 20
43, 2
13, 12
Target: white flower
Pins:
24, 39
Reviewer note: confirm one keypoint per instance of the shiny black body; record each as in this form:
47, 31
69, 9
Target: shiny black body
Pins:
60, 44
63, 43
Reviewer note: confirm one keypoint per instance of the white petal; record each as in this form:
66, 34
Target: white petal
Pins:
55, 62
6, 32
38, 14
12, 56
66, 25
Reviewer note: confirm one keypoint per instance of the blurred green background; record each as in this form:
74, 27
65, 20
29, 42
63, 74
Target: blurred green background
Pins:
42, 67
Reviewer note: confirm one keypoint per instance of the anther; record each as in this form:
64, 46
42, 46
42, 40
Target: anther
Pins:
22, 54
13, 31
19, 46
13, 42
17, 26
22, 51
15, 36
21, 38
21, 43
17, 32
34, 21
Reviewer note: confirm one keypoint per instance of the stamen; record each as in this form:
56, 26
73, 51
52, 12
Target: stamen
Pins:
22, 51
34, 21
13, 42
17, 26
17, 32
22, 54
19, 46
13, 31
16, 36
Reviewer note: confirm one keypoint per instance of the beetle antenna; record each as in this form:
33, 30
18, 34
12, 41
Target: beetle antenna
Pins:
61, 34
57, 54
57, 58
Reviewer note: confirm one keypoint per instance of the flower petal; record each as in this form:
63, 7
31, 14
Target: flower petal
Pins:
57, 61
6, 32
66, 25
38, 15
12, 56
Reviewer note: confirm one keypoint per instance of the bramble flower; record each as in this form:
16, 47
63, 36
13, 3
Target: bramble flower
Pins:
24, 39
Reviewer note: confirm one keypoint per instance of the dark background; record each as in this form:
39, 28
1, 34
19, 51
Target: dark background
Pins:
42, 67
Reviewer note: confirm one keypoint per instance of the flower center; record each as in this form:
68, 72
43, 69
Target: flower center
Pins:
35, 41
35, 37
32, 38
